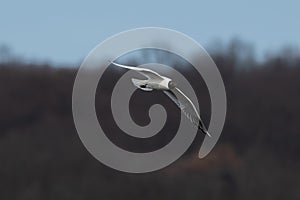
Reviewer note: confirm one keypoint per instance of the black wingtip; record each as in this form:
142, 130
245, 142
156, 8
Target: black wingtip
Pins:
203, 130
207, 133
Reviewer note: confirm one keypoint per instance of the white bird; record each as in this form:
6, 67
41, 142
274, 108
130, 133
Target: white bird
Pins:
156, 81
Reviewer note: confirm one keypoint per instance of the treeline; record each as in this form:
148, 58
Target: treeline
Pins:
257, 156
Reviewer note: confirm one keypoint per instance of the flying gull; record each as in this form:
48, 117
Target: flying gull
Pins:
156, 81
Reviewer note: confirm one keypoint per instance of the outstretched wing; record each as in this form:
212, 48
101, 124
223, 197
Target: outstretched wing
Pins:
145, 72
187, 107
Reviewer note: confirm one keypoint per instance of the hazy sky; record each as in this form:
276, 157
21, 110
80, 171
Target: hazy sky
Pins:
65, 31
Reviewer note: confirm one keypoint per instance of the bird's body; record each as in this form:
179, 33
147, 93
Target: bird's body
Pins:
156, 81
152, 84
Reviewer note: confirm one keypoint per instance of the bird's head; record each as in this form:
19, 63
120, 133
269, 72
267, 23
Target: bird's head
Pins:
171, 84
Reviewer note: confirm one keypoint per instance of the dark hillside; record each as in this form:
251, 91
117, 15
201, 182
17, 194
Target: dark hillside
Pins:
257, 157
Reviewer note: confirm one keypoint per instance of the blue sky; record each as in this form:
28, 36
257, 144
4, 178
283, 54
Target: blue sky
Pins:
65, 31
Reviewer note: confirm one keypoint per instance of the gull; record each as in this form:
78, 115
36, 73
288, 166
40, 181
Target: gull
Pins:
156, 81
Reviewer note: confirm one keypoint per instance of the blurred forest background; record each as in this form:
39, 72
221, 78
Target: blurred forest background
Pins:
257, 156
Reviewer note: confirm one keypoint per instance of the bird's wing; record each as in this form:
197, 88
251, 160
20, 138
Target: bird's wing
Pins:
150, 74
187, 107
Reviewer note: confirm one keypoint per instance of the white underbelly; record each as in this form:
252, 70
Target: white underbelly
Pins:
162, 85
